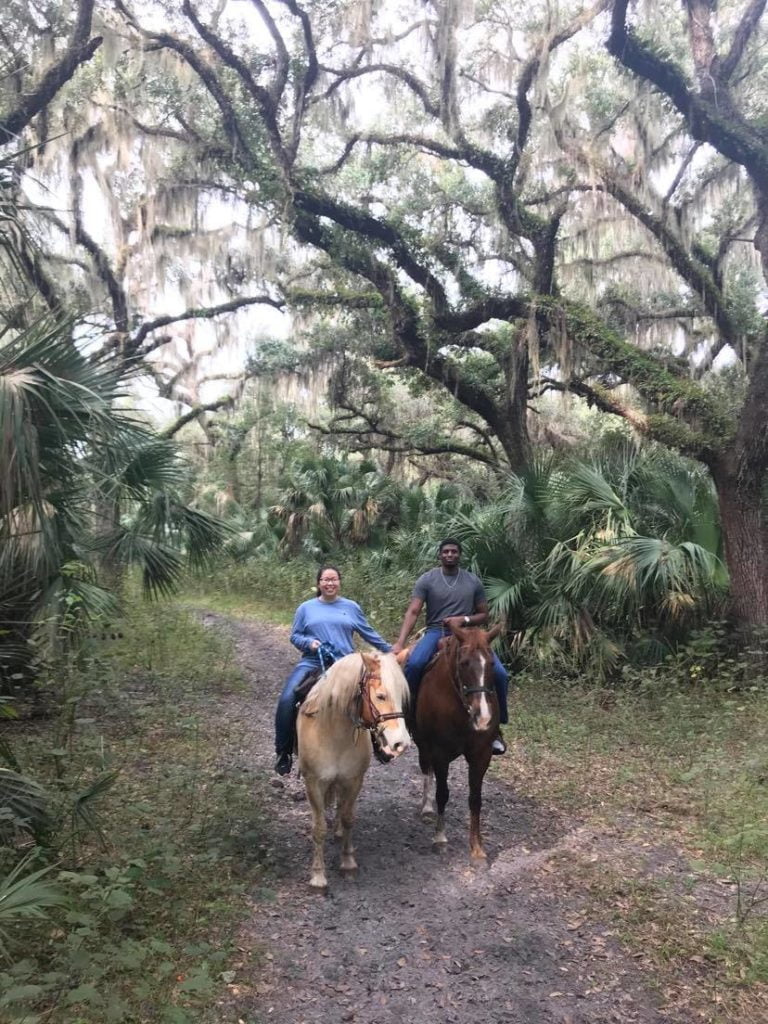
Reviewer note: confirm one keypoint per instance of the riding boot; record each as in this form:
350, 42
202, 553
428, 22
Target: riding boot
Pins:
499, 746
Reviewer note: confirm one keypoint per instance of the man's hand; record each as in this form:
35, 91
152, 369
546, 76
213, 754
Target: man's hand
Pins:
314, 645
397, 648
454, 620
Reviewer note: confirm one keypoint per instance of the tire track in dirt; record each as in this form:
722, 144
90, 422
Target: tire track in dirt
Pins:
417, 937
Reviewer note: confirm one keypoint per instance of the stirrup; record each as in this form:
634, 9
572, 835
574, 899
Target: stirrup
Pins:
284, 763
498, 746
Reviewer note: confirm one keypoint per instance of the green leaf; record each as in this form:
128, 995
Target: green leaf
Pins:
20, 992
85, 993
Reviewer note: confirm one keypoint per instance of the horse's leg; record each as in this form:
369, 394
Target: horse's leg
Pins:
332, 810
316, 792
477, 769
441, 794
348, 794
428, 808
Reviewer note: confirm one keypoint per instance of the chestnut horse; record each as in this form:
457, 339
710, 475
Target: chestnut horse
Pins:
354, 709
457, 713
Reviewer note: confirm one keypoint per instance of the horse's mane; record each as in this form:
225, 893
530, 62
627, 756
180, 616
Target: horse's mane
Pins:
337, 689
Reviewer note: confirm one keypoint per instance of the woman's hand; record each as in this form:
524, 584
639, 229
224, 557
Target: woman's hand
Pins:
314, 644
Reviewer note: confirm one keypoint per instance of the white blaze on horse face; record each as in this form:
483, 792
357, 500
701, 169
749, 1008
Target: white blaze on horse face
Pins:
483, 719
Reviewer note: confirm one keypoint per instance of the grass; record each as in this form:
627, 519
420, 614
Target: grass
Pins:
678, 778
160, 873
693, 760
237, 605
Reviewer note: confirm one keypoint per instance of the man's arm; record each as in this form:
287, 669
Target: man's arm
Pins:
412, 613
478, 617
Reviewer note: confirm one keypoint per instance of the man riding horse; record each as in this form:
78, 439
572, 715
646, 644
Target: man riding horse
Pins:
452, 596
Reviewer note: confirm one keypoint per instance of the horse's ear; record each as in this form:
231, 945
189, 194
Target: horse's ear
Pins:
370, 661
494, 631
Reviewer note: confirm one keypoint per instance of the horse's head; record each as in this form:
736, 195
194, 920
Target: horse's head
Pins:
471, 661
383, 693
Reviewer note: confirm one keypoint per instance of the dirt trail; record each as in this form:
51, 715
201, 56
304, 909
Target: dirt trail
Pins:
419, 937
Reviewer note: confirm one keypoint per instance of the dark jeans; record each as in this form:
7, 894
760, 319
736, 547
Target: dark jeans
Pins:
285, 715
422, 653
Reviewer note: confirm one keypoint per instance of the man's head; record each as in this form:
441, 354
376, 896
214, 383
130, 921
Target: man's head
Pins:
449, 553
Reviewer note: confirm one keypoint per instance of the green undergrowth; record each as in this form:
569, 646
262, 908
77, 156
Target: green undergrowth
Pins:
271, 590
156, 839
671, 764
238, 606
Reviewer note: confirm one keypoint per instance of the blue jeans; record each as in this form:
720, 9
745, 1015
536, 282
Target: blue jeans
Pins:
286, 706
423, 652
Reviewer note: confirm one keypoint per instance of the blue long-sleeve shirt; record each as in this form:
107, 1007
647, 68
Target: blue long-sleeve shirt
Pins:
331, 622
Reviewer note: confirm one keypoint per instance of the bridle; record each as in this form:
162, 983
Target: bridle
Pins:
463, 691
368, 716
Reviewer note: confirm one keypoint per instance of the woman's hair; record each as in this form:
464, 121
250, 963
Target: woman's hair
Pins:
320, 571
445, 543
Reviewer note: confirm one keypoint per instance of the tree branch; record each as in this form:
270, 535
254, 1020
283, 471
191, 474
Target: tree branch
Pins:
707, 122
283, 58
101, 262
205, 73
194, 412
417, 87
749, 19
79, 51
202, 313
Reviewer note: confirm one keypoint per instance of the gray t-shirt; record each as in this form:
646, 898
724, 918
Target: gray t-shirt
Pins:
446, 595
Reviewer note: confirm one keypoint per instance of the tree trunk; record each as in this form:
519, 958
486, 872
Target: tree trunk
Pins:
512, 424
745, 536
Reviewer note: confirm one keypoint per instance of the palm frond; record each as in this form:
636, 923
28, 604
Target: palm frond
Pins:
24, 802
24, 894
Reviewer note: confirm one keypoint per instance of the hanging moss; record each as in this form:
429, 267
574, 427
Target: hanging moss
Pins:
653, 380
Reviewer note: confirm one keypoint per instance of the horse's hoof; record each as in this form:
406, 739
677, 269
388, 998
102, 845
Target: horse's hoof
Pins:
440, 848
428, 813
319, 883
479, 861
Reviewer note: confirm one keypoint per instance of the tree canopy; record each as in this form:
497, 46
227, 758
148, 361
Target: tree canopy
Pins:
480, 204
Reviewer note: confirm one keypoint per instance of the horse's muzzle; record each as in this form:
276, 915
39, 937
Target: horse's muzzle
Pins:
383, 751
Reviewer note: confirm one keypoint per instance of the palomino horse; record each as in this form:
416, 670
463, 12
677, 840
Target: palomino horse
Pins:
457, 713
355, 708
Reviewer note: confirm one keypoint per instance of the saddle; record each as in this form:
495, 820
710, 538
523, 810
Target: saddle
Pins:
301, 693
302, 690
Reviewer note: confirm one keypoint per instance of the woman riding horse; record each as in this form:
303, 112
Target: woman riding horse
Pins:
327, 619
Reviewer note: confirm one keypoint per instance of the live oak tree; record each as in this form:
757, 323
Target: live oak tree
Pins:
524, 200
716, 89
